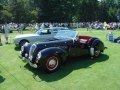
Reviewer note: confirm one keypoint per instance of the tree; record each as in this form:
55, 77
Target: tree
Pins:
22, 11
87, 10
59, 10
5, 14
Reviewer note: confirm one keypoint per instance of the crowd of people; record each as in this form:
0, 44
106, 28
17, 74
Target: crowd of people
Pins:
93, 25
8, 28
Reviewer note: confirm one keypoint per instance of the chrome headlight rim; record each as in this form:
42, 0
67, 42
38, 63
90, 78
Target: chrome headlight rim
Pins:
22, 49
26, 55
26, 44
30, 58
39, 55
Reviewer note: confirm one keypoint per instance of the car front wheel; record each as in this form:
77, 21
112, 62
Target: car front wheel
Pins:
51, 64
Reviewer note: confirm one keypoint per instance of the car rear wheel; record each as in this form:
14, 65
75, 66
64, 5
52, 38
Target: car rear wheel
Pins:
96, 48
97, 53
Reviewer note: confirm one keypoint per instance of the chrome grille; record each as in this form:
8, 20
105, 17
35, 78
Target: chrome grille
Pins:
32, 48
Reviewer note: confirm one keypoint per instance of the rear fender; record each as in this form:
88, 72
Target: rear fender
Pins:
93, 46
90, 41
97, 41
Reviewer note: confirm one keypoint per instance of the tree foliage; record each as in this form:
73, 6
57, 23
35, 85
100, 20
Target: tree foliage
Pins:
59, 10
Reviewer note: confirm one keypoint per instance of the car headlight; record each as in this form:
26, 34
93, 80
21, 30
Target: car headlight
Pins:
26, 44
30, 57
39, 55
26, 55
22, 48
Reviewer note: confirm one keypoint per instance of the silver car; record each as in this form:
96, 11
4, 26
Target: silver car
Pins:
39, 35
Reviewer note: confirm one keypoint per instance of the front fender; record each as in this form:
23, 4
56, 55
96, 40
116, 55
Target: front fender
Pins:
26, 49
54, 51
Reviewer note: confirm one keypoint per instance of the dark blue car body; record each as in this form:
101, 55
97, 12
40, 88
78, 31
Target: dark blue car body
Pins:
49, 54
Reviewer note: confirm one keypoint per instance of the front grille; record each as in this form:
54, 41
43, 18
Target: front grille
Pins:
32, 49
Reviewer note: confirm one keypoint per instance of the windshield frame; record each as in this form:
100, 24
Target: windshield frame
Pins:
43, 31
66, 34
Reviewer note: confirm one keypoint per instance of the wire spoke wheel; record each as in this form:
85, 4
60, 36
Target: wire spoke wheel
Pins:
97, 53
52, 63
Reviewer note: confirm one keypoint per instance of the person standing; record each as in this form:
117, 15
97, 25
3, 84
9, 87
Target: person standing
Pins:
6, 31
50, 26
36, 27
21, 28
42, 26
0, 41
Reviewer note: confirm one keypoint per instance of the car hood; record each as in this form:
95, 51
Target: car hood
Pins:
55, 43
26, 35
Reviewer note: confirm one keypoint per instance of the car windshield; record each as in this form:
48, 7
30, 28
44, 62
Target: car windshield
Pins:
42, 31
60, 28
64, 34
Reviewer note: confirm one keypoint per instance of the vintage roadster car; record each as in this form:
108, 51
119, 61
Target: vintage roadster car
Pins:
39, 35
50, 54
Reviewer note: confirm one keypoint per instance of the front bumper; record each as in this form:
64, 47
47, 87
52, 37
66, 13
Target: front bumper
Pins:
25, 59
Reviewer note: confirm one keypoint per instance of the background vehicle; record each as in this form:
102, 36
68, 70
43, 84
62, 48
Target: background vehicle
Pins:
39, 35
117, 39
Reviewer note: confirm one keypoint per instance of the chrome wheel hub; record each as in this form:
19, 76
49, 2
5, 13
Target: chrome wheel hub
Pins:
52, 63
97, 53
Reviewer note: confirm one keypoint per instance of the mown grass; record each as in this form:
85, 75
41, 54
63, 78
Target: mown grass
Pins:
80, 73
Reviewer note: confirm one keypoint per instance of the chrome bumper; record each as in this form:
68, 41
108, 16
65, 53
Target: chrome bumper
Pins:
24, 59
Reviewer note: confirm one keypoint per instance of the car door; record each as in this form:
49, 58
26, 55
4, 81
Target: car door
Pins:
77, 50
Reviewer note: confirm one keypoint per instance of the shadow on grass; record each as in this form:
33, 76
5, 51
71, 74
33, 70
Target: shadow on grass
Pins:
2, 79
17, 48
67, 68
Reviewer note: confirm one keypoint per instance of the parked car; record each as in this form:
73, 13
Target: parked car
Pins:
50, 54
111, 27
39, 35
117, 40
98, 27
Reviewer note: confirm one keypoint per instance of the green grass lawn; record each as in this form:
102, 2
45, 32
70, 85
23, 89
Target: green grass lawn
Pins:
80, 73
